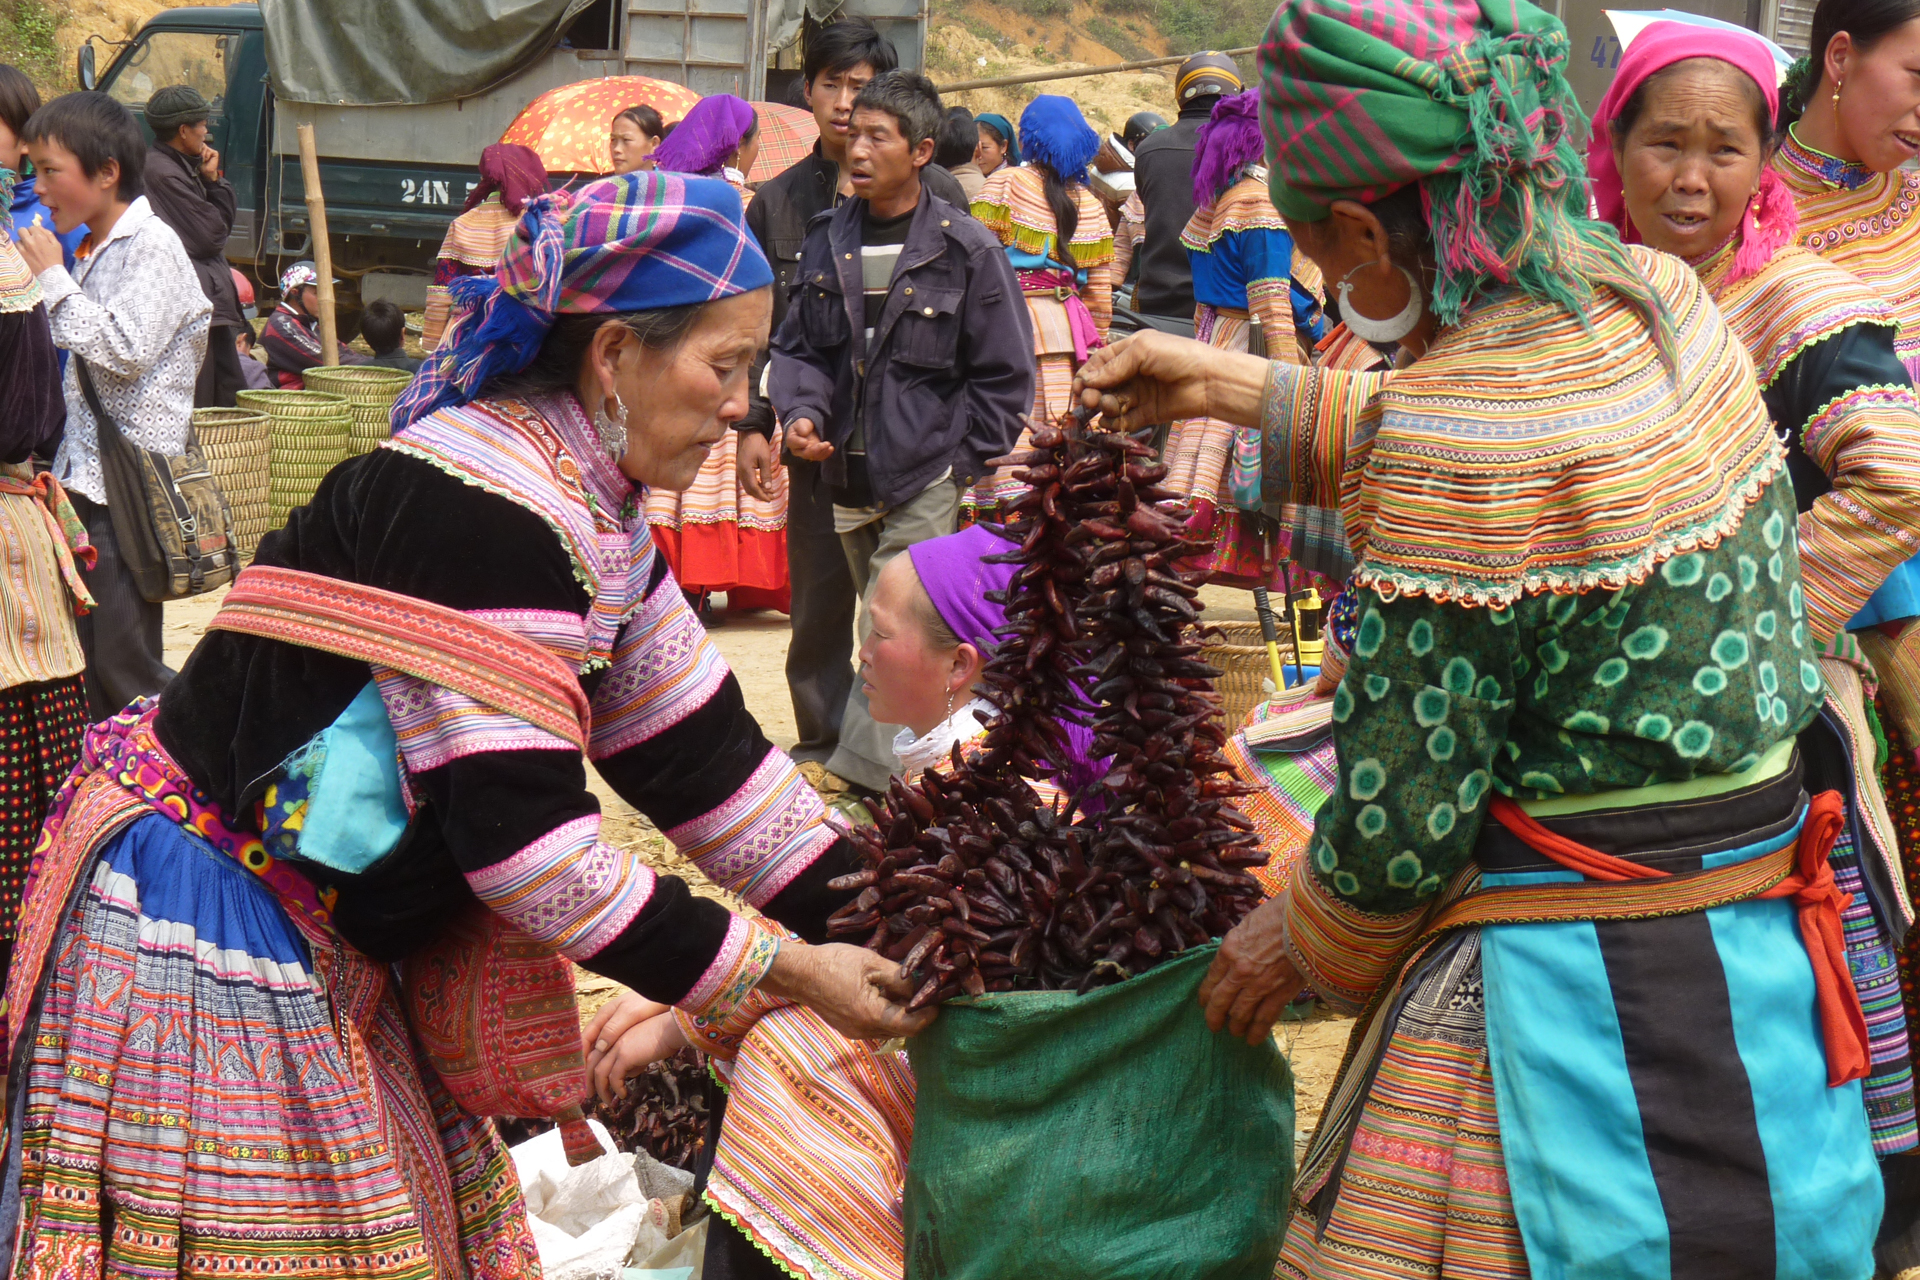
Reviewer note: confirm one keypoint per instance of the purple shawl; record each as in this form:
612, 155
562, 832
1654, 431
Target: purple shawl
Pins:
956, 579
708, 137
1226, 144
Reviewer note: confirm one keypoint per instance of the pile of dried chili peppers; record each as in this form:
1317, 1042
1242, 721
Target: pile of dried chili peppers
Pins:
976, 878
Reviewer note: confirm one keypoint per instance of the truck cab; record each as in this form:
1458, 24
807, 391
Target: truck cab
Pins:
222, 52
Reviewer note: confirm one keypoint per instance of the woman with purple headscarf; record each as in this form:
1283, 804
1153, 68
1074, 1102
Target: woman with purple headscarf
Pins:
1244, 267
717, 537
510, 176
718, 139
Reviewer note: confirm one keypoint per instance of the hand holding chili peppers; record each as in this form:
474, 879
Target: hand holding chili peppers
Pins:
1252, 977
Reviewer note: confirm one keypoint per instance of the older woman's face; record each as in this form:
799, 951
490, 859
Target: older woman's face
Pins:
1879, 110
629, 144
682, 402
991, 153
1693, 159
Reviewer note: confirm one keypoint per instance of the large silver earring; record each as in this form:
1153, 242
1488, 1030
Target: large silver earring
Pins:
1391, 329
612, 429
949, 704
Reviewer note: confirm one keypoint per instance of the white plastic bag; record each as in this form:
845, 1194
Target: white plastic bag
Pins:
593, 1221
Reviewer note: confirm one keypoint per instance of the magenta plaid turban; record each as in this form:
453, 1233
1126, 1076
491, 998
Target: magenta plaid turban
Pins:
634, 242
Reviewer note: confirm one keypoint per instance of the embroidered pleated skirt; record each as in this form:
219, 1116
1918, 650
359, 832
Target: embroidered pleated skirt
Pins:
203, 1096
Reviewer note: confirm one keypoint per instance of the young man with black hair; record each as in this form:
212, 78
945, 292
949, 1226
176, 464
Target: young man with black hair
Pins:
903, 365
185, 189
135, 319
841, 59
953, 150
384, 326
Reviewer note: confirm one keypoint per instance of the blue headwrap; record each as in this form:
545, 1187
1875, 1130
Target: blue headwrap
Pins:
1058, 136
635, 242
1004, 127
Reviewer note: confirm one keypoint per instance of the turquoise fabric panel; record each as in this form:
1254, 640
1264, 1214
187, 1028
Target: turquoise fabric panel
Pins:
338, 801
1820, 1164
1897, 598
1582, 1187
1024, 261
1569, 1124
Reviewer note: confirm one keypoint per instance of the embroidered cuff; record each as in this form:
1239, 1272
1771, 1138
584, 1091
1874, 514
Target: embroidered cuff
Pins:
762, 836
568, 889
1342, 953
724, 1004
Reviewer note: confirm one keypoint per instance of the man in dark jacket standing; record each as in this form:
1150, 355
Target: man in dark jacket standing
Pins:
186, 191
903, 364
842, 58
1163, 174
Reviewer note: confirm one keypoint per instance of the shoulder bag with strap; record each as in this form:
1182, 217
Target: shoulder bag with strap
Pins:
170, 519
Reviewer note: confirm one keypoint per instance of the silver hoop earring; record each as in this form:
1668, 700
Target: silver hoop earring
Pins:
1391, 329
612, 429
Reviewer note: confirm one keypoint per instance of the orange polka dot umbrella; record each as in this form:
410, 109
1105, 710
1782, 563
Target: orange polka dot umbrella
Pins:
568, 126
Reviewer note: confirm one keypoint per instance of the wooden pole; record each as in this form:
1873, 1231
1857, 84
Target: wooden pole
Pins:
1142, 64
322, 248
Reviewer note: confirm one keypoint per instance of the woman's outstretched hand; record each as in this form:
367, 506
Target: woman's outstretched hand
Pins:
860, 993
1251, 978
1152, 377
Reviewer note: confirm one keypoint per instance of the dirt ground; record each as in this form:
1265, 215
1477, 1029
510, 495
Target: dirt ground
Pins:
755, 646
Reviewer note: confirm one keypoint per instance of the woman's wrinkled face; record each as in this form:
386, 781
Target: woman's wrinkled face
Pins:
1692, 161
907, 680
682, 401
991, 153
629, 144
1878, 115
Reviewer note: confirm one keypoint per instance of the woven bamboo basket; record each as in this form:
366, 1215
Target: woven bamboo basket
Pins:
239, 455
371, 390
307, 433
1240, 652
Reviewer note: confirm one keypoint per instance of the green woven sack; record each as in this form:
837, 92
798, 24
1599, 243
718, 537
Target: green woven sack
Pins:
1109, 1136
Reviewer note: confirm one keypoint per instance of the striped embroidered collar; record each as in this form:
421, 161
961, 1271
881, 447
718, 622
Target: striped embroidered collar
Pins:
1528, 451
1796, 158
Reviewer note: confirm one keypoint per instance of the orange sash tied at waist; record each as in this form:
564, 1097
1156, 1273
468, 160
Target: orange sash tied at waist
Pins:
1808, 881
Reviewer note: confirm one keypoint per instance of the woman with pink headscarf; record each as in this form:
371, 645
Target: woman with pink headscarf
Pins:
510, 175
1680, 161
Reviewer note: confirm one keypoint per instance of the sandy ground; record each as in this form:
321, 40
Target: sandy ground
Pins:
755, 646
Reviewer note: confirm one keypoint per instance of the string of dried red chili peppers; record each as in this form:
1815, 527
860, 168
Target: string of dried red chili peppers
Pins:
976, 884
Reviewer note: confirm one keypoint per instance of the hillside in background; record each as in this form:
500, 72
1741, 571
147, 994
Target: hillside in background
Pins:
982, 39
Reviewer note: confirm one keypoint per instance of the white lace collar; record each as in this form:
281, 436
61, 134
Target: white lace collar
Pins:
936, 745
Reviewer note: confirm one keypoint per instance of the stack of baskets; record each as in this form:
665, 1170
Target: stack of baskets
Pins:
235, 444
371, 390
308, 432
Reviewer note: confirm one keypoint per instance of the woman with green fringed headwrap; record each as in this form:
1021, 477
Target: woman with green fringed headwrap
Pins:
1568, 871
